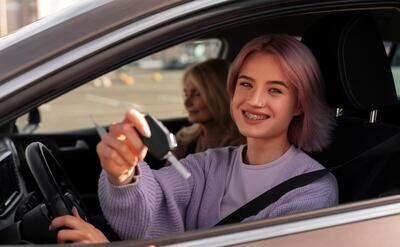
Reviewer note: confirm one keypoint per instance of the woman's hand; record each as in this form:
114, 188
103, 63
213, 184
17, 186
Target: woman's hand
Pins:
78, 230
121, 149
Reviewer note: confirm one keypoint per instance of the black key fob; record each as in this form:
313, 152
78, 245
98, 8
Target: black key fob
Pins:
161, 141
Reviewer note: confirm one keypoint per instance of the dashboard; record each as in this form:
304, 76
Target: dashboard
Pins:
15, 200
11, 186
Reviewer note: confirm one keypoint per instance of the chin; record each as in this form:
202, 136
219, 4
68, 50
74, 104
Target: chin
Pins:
192, 120
196, 120
251, 135
249, 132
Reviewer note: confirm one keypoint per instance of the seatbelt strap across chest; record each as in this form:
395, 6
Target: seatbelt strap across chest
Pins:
267, 198
254, 206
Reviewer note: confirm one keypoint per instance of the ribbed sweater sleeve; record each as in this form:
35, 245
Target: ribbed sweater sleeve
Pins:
152, 206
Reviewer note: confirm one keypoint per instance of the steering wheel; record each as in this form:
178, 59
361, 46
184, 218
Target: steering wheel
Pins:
57, 190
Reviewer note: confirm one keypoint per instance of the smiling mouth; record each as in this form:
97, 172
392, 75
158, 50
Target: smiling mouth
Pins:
252, 116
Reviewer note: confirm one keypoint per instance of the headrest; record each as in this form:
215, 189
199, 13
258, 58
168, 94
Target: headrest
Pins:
353, 61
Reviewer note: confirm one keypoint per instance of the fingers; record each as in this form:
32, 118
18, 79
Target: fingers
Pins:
75, 236
121, 148
76, 213
125, 132
117, 169
75, 229
140, 123
142, 153
68, 221
109, 154
118, 150
86, 235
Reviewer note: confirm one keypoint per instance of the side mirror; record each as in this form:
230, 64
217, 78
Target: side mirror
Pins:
33, 121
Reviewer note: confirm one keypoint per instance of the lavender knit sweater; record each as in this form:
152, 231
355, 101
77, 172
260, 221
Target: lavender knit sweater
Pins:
162, 202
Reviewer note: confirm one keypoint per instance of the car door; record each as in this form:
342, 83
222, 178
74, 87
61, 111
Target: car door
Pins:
114, 54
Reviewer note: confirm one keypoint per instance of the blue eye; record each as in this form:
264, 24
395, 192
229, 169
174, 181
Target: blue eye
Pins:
275, 91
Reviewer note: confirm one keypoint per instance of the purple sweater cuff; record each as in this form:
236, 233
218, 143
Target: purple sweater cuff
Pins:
117, 201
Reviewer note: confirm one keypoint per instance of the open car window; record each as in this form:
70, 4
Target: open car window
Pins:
151, 84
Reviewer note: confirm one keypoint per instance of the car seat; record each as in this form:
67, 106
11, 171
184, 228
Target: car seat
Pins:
358, 81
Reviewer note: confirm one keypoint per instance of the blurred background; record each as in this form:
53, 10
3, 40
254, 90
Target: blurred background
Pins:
151, 84
15, 14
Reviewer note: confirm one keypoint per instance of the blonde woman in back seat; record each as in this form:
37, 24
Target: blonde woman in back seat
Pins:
206, 101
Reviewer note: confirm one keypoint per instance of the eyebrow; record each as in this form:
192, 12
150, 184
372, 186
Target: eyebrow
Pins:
270, 82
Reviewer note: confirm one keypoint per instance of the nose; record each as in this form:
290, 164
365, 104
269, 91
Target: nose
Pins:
257, 98
188, 101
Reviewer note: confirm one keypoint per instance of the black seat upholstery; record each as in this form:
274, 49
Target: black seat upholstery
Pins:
358, 80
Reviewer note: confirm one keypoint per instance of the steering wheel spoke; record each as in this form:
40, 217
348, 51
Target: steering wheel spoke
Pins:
57, 190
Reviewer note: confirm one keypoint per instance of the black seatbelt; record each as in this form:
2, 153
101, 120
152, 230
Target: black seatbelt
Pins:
254, 206
267, 198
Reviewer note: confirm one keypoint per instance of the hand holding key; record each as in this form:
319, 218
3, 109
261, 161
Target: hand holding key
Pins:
123, 147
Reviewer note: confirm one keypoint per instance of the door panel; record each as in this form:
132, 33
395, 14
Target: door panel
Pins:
377, 232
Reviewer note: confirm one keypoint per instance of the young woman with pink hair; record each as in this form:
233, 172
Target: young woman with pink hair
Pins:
277, 103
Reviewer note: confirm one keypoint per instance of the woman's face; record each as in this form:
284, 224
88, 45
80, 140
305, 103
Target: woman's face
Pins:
195, 104
264, 102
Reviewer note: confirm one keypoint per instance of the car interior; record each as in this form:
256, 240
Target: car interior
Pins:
357, 82
356, 51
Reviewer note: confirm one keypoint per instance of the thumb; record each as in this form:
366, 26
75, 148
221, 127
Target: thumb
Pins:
75, 212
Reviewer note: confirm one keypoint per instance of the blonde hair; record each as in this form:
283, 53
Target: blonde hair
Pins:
210, 78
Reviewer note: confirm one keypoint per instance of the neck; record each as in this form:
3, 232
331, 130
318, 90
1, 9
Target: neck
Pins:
261, 151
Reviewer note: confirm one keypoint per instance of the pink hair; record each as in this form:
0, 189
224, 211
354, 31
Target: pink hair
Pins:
311, 130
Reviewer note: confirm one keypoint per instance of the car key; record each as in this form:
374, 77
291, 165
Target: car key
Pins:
160, 143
